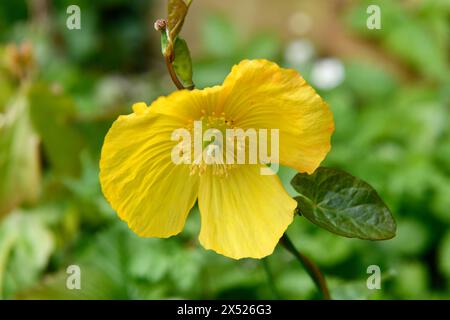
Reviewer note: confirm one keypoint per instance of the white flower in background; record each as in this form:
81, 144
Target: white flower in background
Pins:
327, 73
299, 52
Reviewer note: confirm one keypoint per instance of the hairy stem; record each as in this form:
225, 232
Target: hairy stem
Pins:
310, 267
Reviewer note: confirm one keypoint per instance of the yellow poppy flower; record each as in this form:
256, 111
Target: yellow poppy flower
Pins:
243, 213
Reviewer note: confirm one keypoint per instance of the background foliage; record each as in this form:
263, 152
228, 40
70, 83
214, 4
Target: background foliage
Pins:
392, 118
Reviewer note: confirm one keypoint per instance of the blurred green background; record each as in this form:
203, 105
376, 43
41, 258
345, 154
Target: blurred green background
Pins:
389, 90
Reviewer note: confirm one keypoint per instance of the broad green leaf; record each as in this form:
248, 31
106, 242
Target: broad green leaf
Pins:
177, 11
51, 115
183, 62
19, 156
343, 204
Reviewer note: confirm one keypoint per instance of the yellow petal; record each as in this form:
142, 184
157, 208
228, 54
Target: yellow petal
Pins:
138, 178
263, 95
140, 108
243, 214
189, 105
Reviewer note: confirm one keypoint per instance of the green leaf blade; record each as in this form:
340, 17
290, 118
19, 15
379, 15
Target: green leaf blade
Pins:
164, 42
183, 62
343, 204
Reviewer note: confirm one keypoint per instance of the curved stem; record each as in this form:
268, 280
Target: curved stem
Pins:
172, 73
312, 269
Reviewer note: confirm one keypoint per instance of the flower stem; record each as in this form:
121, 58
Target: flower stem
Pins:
310, 267
172, 73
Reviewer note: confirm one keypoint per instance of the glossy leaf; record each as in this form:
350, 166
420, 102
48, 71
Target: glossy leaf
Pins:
343, 204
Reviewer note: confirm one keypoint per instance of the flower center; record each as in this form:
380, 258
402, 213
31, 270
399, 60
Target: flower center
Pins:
212, 153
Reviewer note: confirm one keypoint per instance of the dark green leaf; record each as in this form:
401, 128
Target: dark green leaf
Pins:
343, 204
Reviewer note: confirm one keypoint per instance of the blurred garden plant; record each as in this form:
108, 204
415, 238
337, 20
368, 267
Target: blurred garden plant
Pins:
243, 214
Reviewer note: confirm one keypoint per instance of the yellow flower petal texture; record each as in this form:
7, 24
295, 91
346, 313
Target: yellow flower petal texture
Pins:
245, 214
189, 105
138, 178
263, 95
